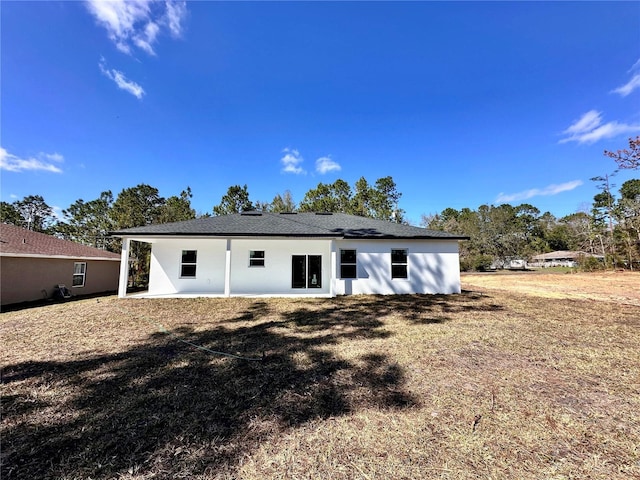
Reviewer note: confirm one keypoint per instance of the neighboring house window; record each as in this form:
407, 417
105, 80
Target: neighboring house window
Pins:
256, 258
348, 264
188, 265
399, 263
79, 273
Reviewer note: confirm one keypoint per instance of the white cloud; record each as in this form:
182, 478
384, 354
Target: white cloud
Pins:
538, 192
326, 164
589, 129
176, 13
138, 22
585, 123
291, 161
608, 130
119, 18
13, 163
121, 81
147, 37
632, 84
56, 157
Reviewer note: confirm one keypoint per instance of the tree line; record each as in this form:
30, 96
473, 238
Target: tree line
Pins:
90, 222
379, 200
497, 233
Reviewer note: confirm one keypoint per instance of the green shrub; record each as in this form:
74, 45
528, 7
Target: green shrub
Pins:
590, 264
481, 263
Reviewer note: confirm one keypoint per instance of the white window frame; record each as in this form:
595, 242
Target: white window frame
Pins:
354, 263
254, 262
82, 274
188, 264
405, 263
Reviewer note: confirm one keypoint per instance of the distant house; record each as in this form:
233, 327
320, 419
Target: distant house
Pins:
294, 254
33, 264
509, 263
561, 258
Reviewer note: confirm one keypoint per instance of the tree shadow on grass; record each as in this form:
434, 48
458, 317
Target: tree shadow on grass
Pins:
166, 409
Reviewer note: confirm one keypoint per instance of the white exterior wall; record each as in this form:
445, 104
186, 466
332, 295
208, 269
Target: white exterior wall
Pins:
275, 277
272, 279
433, 267
166, 257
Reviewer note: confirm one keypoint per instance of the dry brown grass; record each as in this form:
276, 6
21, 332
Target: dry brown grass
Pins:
489, 384
617, 286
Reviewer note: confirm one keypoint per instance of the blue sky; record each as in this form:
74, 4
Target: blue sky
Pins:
463, 104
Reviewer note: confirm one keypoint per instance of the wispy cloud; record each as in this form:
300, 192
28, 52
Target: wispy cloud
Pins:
589, 129
326, 164
585, 123
632, 84
121, 81
43, 161
175, 15
538, 192
291, 161
137, 23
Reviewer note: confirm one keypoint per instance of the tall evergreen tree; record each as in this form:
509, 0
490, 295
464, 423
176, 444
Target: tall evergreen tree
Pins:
282, 203
236, 200
89, 223
35, 213
9, 214
137, 206
176, 209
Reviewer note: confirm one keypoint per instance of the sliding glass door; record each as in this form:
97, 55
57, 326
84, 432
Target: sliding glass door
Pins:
306, 271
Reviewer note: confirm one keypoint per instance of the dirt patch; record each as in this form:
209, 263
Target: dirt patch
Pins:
618, 287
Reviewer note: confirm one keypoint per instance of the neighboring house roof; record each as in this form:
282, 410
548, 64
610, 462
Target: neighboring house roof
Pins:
564, 255
330, 225
19, 242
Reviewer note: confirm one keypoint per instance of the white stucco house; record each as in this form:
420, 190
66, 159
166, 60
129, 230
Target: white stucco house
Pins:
293, 254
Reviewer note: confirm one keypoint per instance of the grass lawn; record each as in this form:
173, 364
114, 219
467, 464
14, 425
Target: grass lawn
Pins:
498, 382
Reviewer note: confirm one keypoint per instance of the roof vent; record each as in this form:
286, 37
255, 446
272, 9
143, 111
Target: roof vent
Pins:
251, 213
324, 213
288, 213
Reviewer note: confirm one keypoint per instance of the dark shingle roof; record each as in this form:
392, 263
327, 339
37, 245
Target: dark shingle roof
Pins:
18, 242
330, 225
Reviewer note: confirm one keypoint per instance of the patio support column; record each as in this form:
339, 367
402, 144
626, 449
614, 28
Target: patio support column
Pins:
227, 270
334, 259
124, 268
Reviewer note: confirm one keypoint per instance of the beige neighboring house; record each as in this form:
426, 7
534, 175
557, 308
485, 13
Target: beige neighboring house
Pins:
33, 264
561, 258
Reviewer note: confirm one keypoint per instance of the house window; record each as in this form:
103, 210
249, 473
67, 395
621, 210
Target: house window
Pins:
399, 263
256, 258
348, 264
79, 273
188, 264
